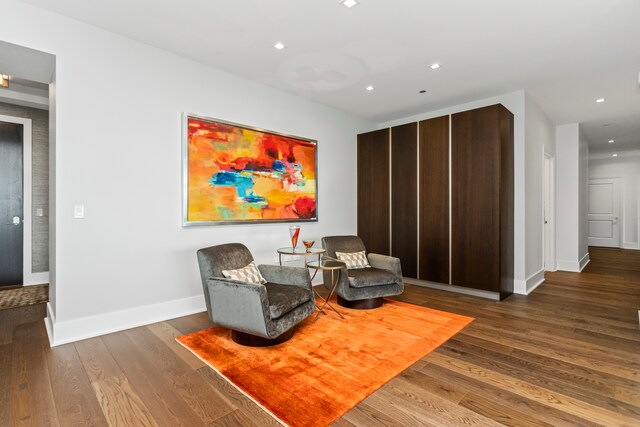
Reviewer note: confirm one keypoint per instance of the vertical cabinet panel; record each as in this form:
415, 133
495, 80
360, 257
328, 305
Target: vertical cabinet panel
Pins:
404, 203
373, 190
479, 199
475, 185
433, 218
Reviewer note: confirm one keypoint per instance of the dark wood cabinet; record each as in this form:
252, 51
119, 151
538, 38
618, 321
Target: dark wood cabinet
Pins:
404, 187
451, 195
433, 196
482, 199
373, 191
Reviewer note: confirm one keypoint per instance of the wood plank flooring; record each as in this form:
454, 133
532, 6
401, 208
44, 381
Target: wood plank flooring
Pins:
566, 355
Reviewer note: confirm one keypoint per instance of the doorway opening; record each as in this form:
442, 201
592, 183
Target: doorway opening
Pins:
548, 213
16, 217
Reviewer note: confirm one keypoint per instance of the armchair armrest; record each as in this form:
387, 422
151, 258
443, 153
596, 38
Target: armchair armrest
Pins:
295, 276
386, 262
239, 305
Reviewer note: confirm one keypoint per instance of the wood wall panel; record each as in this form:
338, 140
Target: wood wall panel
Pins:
373, 190
475, 203
434, 199
404, 203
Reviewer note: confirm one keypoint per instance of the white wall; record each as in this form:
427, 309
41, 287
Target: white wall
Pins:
539, 139
571, 198
567, 195
514, 102
583, 200
627, 167
118, 152
53, 248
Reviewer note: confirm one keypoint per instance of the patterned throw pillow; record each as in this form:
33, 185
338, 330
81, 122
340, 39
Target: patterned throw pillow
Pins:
354, 260
249, 274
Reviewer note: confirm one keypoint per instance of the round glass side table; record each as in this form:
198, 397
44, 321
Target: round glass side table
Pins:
301, 252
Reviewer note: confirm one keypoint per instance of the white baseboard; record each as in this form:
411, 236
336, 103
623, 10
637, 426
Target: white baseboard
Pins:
457, 289
36, 279
534, 281
564, 265
574, 266
584, 261
63, 332
48, 323
631, 245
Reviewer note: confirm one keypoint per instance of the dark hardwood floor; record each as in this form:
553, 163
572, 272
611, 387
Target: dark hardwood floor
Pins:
568, 354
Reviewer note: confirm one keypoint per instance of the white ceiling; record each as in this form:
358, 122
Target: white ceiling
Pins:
564, 53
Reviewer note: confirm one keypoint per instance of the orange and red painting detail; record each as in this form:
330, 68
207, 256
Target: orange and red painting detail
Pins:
239, 174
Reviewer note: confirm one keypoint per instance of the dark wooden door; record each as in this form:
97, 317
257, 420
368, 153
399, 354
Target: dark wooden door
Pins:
373, 191
434, 199
404, 197
11, 228
475, 199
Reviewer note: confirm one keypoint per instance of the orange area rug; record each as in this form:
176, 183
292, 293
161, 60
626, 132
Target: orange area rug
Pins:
328, 366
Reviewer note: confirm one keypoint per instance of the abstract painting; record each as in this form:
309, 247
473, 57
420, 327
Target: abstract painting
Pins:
238, 174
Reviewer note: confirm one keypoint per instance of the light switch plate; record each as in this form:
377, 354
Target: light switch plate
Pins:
39, 212
78, 211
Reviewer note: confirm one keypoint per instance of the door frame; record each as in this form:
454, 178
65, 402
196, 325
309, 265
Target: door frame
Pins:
28, 277
548, 201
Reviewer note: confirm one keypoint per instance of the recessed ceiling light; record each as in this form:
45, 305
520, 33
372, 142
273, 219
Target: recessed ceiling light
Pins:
611, 141
369, 88
350, 3
600, 100
279, 46
614, 155
4, 80
434, 66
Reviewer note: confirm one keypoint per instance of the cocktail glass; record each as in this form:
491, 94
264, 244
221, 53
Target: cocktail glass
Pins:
308, 244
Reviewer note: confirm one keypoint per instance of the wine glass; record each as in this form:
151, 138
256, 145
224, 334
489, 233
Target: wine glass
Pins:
294, 231
308, 244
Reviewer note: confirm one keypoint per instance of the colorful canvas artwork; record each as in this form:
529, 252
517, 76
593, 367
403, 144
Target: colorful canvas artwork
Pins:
238, 174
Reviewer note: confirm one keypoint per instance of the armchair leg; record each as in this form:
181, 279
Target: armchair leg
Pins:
249, 340
361, 304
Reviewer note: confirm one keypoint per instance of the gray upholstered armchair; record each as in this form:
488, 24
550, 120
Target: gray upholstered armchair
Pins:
363, 288
257, 314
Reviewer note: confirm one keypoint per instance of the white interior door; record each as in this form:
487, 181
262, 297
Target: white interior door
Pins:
604, 212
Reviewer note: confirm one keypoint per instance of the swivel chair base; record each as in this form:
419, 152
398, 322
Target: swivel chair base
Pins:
249, 340
361, 304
